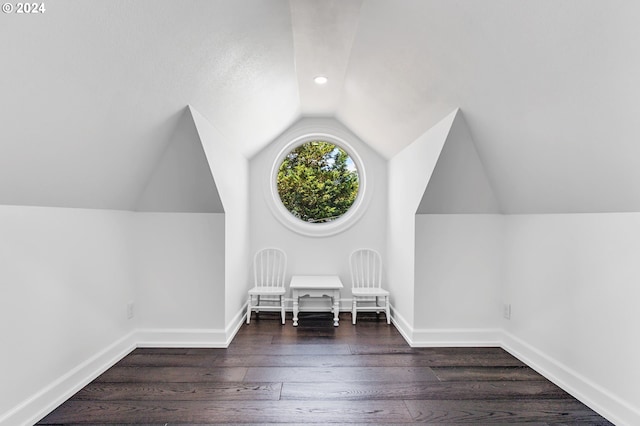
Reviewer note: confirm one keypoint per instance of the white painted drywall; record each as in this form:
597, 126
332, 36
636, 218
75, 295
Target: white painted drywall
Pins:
458, 271
179, 270
409, 172
573, 284
459, 183
230, 170
323, 34
181, 180
103, 121
318, 255
65, 281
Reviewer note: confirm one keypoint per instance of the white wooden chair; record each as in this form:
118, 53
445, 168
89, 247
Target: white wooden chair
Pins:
269, 267
366, 282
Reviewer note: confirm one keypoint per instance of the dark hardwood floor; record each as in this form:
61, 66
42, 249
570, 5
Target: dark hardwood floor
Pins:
316, 373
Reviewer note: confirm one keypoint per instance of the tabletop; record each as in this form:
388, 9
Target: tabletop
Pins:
316, 281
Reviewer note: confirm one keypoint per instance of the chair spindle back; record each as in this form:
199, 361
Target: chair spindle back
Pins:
269, 266
366, 269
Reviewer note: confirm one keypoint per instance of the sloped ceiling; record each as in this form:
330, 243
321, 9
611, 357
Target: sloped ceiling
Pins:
458, 183
182, 181
91, 91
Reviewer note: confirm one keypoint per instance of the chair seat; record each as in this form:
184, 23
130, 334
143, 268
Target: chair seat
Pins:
369, 292
264, 291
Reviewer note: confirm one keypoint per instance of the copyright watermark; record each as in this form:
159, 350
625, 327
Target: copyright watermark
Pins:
24, 8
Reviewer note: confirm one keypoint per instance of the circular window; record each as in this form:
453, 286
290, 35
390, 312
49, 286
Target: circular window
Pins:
317, 181
317, 184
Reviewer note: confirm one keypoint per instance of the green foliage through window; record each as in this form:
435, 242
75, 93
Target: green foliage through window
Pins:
317, 182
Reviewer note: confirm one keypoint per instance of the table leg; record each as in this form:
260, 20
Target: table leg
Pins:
295, 308
336, 309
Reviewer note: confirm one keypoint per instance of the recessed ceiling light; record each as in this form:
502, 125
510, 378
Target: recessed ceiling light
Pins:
320, 80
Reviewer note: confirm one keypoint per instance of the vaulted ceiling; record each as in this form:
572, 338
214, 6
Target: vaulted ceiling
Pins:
91, 92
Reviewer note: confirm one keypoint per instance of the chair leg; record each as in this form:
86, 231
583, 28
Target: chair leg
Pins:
353, 311
386, 305
282, 307
249, 310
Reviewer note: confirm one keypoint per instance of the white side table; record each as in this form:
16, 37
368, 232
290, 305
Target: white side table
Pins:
316, 286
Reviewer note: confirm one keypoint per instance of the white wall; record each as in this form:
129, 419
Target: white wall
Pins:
459, 183
458, 272
179, 270
409, 173
573, 284
230, 170
65, 281
318, 255
181, 180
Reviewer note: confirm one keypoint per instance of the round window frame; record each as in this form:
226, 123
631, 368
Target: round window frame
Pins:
324, 229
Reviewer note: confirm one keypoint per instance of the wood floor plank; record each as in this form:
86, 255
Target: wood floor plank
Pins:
343, 333
471, 350
340, 374
219, 391
486, 373
206, 351
178, 351
290, 349
385, 360
423, 390
256, 339
216, 412
465, 359
403, 348
371, 340
168, 360
373, 349
518, 411
169, 374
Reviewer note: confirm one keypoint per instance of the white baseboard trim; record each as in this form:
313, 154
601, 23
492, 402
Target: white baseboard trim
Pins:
43, 402
597, 398
234, 325
191, 337
441, 337
458, 337
181, 338
401, 325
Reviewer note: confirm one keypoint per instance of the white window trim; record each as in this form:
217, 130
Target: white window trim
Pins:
334, 227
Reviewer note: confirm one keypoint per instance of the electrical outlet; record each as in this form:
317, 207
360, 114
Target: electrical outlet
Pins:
129, 310
506, 310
